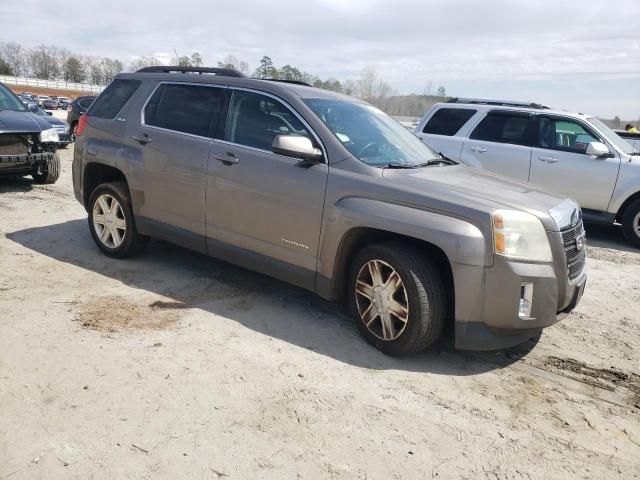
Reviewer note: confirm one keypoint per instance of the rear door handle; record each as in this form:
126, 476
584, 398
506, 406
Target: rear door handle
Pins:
548, 159
478, 149
144, 139
227, 158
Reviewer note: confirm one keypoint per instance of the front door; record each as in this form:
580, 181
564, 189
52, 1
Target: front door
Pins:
270, 205
560, 163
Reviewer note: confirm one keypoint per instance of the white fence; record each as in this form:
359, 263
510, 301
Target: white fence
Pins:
53, 84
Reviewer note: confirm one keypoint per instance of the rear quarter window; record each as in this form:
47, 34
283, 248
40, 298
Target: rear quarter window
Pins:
447, 121
111, 101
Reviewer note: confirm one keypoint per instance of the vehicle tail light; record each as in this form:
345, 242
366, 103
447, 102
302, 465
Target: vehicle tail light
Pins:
82, 123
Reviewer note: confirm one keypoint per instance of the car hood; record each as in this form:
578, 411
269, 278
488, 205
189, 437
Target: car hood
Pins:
487, 191
54, 121
21, 122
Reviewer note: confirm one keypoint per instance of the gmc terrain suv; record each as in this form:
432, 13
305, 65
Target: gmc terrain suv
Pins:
28, 142
570, 153
330, 194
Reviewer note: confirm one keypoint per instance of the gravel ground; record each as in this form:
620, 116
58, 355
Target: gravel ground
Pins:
175, 365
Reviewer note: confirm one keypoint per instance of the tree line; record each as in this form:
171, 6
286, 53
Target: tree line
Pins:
48, 62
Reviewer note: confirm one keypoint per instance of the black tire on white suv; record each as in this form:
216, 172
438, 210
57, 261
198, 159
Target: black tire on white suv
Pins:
631, 223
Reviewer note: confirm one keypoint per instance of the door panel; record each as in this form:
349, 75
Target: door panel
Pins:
259, 201
560, 164
501, 142
509, 160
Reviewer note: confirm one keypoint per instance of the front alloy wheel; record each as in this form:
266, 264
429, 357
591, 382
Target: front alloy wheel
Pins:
398, 297
381, 299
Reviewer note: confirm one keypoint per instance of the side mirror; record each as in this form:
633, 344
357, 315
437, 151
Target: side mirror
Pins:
598, 149
296, 146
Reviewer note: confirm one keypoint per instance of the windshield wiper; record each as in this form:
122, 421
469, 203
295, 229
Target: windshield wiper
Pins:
398, 166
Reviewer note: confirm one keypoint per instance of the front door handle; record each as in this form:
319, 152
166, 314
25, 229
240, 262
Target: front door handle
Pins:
144, 139
548, 159
227, 158
478, 149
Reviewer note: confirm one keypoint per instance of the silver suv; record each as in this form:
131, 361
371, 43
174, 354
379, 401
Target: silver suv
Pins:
571, 153
330, 194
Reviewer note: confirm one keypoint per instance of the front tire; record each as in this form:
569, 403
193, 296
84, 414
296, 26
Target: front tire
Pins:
47, 172
631, 223
398, 298
111, 221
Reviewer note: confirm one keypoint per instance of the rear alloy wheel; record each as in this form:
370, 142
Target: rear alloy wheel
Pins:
111, 221
398, 298
631, 223
108, 221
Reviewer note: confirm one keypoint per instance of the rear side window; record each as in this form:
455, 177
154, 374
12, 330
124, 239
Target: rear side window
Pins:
85, 102
111, 101
189, 109
447, 121
254, 120
504, 128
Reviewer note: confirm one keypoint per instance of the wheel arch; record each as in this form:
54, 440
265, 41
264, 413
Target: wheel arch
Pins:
96, 173
630, 199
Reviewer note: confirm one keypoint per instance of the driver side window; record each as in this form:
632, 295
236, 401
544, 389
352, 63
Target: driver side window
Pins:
254, 120
564, 134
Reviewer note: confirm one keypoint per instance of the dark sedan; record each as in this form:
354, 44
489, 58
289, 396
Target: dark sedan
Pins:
50, 104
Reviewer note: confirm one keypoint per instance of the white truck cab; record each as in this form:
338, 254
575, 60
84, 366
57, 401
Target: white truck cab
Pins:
570, 153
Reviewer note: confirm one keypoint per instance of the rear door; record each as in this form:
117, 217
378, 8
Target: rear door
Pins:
441, 128
501, 143
262, 202
174, 136
560, 162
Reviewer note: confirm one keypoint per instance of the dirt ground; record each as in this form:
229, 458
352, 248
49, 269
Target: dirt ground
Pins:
175, 365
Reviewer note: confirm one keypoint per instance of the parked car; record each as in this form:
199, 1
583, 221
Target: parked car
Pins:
50, 104
330, 194
632, 138
60, 125
39, 99
64, 102
571, 153
77, 108
27, 142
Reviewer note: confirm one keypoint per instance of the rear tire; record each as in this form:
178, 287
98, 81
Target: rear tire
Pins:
111, 221
631, 223
419, 296
49, 172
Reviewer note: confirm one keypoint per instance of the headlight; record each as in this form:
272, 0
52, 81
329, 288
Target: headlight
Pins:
50, 135
521, 236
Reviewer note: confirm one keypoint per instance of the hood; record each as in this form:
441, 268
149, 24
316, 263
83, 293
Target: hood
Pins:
483, 190
54, 121
21, 122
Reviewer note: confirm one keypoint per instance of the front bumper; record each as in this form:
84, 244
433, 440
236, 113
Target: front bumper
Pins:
488, 299
23, 164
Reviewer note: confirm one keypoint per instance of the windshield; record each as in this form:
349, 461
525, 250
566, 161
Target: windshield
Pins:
370, 135
618, 142
8, 101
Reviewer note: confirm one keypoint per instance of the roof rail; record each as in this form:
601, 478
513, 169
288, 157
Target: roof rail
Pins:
294, 82
223, 72
501, 103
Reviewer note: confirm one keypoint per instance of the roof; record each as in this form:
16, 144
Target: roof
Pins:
485, 107
220, 76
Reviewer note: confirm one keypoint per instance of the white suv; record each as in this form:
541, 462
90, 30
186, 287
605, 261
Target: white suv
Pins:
570, 153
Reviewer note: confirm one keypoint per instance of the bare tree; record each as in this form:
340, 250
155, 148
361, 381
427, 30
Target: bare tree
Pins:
73, 70
372, 88
144, 61
196, 59
44, 62
16, 57
442, 92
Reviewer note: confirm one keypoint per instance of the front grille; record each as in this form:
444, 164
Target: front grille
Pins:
14, 145
575, 256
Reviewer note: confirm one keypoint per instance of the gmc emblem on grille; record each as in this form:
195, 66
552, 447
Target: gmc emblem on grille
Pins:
580, 241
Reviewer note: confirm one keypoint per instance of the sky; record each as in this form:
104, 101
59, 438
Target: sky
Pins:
579, 56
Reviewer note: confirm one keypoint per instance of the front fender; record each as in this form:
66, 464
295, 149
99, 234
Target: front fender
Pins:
461, 241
